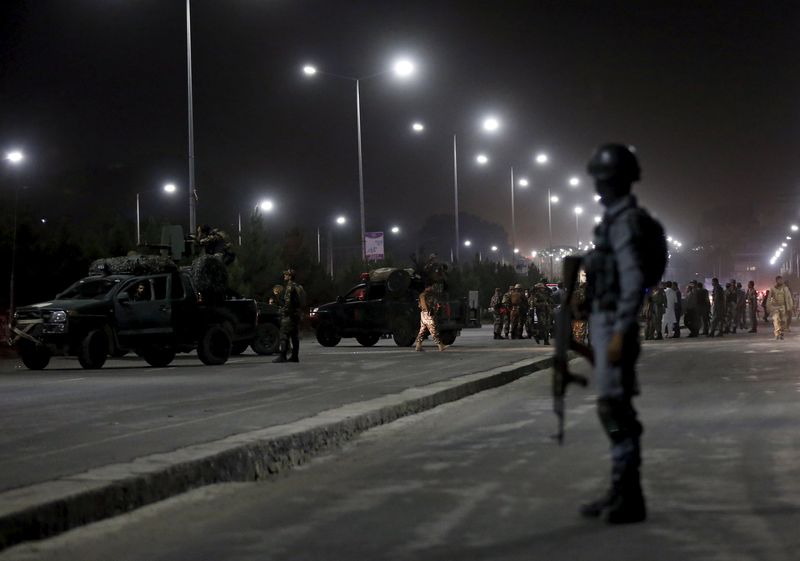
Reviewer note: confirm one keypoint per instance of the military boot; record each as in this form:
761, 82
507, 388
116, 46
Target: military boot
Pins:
418, 346
294, 357
281, 358
628, 506
442, 346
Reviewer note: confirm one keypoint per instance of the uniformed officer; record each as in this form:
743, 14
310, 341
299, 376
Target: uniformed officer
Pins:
496, 305
290, 318
731, 298
543, 303
703, 307
428, 320
718, 308
751, 298
616, 288
517, 311
506, 303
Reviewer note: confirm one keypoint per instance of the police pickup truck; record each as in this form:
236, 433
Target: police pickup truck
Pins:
145, 304
384, 304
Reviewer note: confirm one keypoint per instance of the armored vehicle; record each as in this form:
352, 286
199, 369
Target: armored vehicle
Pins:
384, 304
141, 303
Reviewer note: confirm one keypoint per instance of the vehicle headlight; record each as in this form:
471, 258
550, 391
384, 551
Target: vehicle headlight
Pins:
313, 312
59, 316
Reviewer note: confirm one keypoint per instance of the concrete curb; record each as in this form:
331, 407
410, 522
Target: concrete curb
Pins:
46, 509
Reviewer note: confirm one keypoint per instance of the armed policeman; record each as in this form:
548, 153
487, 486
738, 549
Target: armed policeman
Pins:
629, 255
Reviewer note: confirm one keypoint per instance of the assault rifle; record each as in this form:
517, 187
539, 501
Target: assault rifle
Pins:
562, 377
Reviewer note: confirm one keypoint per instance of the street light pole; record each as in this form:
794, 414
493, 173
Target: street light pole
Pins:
513, 220
455, 190
192, 186
550, 228
138, 223
360, 173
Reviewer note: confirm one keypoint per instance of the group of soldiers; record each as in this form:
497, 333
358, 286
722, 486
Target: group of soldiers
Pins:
715, 312
522, 313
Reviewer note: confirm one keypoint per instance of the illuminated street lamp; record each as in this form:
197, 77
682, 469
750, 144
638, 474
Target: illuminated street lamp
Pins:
417, 127
402, 68
169, 189
598, 219
14, 158
395, 230
523, 182
541, 158
482, 159
491, 124
795, 227
574, 181
467, 243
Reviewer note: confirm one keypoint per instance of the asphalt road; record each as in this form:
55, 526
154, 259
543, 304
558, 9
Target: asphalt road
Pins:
481, 479
66, 420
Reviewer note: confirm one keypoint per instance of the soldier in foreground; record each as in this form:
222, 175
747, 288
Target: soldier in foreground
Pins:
498, 311
751, 297
427, 319
290, 303
630, 254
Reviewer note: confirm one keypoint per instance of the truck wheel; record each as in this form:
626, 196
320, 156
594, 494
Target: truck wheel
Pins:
34, 357
94, 350
327, 335
448, 337
266, 340
404, 332
214, 347
239, 347
368, 340
157, 356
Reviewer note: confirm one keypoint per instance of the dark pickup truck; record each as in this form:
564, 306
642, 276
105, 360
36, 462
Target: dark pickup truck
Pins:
157, 314
384, 304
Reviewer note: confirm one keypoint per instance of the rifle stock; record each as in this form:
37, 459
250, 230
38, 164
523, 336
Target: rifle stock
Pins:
562, 377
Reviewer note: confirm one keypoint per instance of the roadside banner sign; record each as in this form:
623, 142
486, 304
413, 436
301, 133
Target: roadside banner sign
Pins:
373, 245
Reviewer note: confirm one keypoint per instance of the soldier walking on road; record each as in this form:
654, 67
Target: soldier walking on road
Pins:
780, 305
506, 302
617, 277
718, 309
428, 321
703, 307
291, 302
517, 311
731, 299
751, 299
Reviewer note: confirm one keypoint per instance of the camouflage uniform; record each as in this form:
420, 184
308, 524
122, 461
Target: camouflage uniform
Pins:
580, 325
543, 304
290, 319
506, 303
518, 311
497, 313
428, 322
731, 302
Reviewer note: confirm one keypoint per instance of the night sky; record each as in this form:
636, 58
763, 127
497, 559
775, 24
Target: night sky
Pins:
707, 91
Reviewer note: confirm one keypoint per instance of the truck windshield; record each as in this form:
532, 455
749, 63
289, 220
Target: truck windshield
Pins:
89, 289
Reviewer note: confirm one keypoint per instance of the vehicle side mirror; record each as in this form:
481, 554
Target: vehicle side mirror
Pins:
340, 299
124, 298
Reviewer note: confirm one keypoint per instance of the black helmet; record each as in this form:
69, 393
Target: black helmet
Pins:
615, 161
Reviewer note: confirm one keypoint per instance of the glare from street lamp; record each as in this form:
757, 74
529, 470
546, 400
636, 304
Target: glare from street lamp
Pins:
467, 243
795, 227
783, 244
598, 219
341, 220
541, 158
309, 70
534, 253
554, 199
523, 182
266, 205
418, 127
788, 237
516, 250
597, 198
395, 229
578, 210
491, 124
403, 68
482, 159
15, 156
170, 188
574, 181
494, 248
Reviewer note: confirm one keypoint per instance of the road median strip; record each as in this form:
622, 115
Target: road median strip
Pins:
49, 508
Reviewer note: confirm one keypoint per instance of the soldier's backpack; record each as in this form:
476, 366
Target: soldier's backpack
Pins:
651, 245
